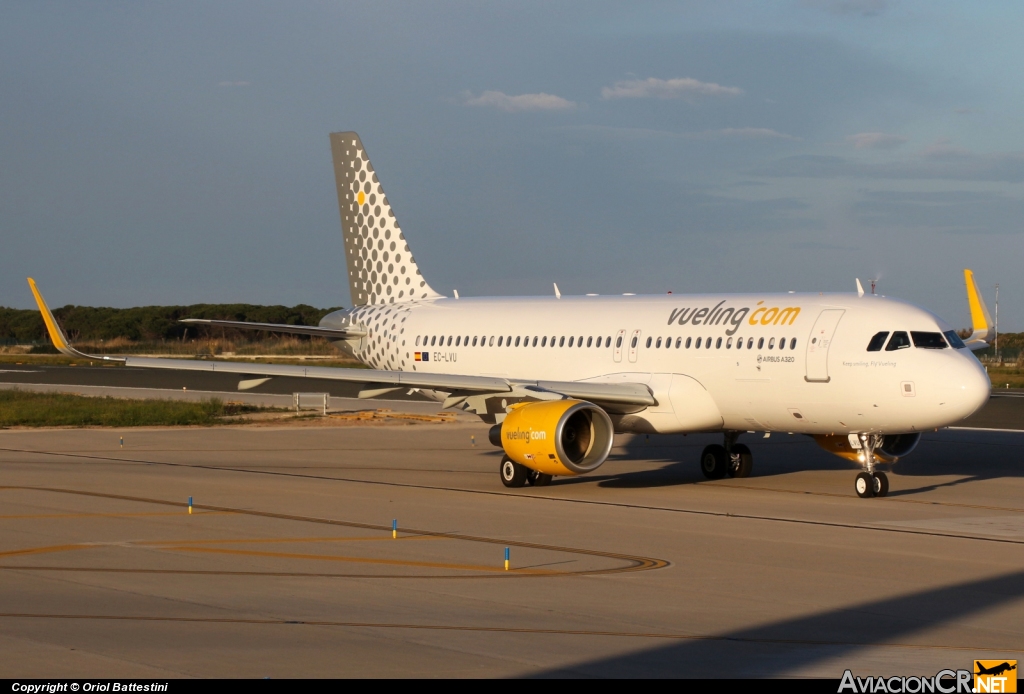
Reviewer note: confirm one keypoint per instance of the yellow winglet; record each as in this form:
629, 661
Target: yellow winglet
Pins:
60, 340
981, 321
56, 334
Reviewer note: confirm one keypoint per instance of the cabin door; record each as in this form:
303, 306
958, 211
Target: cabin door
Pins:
818, 344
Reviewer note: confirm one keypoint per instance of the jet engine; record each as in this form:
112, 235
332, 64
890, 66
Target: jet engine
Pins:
891, 448
556, 437
895, 446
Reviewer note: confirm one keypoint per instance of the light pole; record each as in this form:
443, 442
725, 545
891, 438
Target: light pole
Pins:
997, 324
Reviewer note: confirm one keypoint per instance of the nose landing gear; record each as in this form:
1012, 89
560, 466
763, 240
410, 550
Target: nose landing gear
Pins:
870, 482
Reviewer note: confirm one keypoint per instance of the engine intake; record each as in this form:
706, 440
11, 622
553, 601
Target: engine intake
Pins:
556, 437
895, 446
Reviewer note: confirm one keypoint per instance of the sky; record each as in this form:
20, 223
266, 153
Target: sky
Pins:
177, 153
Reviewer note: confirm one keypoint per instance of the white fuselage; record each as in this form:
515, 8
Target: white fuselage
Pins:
823, 381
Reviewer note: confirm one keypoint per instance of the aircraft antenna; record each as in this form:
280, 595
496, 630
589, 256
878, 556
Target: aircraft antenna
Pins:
558, 294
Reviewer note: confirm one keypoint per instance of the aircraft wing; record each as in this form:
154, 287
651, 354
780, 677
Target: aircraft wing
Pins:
313, 330
376, 382
983, 329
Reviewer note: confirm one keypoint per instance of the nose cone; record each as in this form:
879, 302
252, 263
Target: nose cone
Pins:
969, 387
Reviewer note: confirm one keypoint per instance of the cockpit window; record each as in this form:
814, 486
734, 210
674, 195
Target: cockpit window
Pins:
928, 340
954, 340
877, 341
899, 340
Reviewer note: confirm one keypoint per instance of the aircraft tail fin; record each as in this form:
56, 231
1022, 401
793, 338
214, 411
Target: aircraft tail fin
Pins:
983, 329
381, 268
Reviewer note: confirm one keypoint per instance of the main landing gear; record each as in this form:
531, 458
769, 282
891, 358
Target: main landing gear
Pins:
870, 482
731, 460
515, 475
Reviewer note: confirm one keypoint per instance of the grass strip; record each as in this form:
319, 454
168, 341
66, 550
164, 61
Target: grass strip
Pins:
26, 409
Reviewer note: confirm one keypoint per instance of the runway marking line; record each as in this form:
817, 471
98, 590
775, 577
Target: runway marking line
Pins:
498, 630
613, 504
632, 563
103, 515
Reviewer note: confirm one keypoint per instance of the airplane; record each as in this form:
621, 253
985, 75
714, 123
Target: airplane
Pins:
557, 376
995, 670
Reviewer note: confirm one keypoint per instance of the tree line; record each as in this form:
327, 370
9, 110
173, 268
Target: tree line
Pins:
149, 323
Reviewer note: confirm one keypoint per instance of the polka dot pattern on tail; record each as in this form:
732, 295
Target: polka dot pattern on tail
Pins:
381, 268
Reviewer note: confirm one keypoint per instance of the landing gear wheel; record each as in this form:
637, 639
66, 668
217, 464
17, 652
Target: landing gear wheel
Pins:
714, 462
741, 462
881, 483
512, 473
865, 485
537, 479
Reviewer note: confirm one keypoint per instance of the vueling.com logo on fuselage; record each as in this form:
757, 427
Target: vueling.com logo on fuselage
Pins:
762, 315
529, 435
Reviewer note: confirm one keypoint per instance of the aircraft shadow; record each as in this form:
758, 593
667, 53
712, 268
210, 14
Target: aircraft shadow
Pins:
968, 456
782, 647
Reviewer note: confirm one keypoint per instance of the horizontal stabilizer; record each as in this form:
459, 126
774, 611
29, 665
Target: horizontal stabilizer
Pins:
316, 331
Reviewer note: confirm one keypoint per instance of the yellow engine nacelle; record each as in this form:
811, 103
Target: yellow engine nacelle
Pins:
557, 437
892, 446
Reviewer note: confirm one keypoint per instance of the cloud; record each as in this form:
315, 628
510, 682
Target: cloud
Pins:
679, 87
233, 84
875, 140
650, 134
938, 162
867, 8
962, 212
521, 102
748, 133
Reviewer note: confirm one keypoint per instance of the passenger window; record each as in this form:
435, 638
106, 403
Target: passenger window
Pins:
449, 340
490, 342
877, 341
608, 341
697, 346
632, 344
739, 343
517, 340
707, 343
618, 342
465, 341
728, 343
750, 343
474, 340
417, 340
954, 340
648, 343
561, 341
928, 340
535, 341
590, 341
668, 342
544, 341
658, 345
718, 343
899, 340
688, 343
579, 342
458, 340
499, 340
771, 343
433, 341
760, 343
679, 342
792, 343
